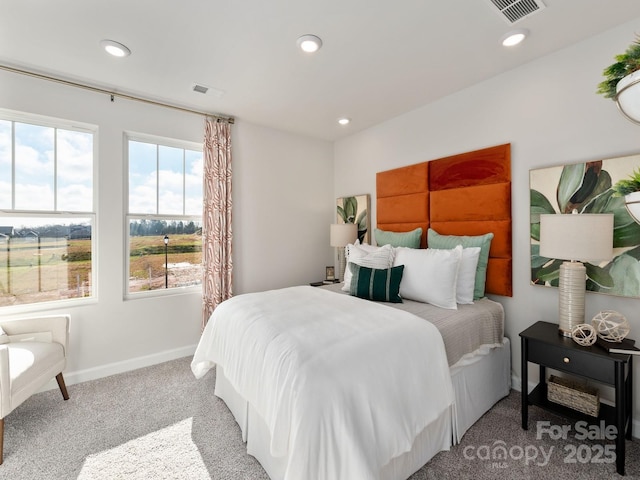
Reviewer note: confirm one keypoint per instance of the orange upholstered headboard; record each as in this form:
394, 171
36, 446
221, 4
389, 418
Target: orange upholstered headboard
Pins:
466, 194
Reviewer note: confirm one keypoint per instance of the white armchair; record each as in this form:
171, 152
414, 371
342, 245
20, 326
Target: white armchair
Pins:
32, 352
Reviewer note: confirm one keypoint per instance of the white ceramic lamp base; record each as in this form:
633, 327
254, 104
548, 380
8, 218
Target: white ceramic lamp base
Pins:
573, 283
341, 263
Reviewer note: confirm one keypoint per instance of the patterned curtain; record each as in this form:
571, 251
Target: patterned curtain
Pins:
216, 225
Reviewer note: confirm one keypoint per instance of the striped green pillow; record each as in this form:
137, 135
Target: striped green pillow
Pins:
376, 284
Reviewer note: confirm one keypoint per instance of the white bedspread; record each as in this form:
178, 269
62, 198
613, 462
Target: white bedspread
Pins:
343, 384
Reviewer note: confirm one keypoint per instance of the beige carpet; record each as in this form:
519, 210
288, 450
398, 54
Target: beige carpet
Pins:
160, 423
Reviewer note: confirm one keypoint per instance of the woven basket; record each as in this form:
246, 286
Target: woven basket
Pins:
574, 395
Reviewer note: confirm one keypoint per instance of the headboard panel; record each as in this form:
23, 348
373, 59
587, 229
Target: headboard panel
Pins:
466, 194
403, 199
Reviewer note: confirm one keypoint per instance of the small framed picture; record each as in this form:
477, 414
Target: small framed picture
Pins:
330, 273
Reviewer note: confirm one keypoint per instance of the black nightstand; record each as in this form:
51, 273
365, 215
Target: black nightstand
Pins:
323, 282
543, 344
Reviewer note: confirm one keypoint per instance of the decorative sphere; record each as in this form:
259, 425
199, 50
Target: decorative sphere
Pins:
584, 334
611, 326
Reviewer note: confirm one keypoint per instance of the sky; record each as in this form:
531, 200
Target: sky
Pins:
54, 172
49, 163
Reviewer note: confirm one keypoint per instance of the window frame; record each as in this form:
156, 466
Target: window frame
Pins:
128, 216
57, 124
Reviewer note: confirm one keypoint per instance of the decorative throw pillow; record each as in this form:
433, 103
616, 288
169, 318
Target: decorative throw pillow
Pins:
435, 240
399, 239
467, 275
430, 275
366, 256
376, 284
4, 338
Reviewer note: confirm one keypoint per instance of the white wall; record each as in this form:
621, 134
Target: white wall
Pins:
548, 110
283, 206
283, 203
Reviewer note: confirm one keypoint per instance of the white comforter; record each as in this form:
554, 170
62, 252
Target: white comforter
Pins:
343, 384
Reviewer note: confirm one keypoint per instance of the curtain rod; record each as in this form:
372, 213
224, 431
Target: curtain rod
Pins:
114, 94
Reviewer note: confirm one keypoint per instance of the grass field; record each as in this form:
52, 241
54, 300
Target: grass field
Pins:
35, 270
146, 262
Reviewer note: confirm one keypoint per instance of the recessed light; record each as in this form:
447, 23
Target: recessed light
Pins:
514, 37
309, 43
115, 48
344, 121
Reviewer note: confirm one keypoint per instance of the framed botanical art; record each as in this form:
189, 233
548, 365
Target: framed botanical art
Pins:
355, 209
588, 187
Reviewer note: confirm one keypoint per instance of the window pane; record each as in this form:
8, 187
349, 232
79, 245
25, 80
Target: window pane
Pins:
44, 259
75, 171
34, 164
170, 178
5, 164
147, 253
142, 177
193, 182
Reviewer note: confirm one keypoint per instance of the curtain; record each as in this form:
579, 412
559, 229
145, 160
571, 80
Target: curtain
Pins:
216, 225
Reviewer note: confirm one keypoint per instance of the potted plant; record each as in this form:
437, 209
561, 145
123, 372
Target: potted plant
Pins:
622, 82
626, 64
629, 188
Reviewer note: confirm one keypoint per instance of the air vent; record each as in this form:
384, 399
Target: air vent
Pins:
512, 11
200, 88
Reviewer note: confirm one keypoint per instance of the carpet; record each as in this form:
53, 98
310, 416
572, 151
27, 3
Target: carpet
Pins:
161, 423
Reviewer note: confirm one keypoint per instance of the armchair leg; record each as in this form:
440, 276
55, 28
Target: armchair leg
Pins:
63, 387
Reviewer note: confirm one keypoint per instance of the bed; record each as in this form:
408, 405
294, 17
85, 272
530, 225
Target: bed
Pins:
325, 385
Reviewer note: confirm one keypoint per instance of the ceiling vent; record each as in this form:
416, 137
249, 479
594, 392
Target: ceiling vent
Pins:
200, 88
513, 11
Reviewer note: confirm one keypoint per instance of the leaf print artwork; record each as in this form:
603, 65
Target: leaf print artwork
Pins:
588, 188
355, 209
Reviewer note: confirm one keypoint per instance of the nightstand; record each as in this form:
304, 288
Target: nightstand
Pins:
323, 282
543, 344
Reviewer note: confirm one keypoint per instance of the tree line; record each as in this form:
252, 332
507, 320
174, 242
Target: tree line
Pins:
140, 228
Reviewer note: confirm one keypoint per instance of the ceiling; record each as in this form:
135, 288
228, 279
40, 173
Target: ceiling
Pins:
379, 58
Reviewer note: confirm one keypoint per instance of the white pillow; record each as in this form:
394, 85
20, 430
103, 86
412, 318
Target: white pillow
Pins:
467, 275
430, 275
363, 246
366, 256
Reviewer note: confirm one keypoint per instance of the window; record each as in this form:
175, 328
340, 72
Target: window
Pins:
164, 214
46, 210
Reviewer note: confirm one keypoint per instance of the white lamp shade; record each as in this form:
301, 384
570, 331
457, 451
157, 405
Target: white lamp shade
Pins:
583, 237
342, 234
628, 96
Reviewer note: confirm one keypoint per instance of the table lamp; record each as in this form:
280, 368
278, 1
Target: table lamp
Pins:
575, 238
341, 235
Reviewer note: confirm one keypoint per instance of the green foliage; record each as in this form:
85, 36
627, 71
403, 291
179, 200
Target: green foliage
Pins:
588, 189
625, 64
145, 227
628, 185
348, 215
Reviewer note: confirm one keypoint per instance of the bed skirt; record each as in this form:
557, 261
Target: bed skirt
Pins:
479, 380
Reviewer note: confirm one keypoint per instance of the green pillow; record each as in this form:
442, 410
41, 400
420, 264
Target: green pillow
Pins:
399, 239
435, 240
376, 284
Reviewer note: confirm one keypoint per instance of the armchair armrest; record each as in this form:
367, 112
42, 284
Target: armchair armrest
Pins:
58, 325
5, 391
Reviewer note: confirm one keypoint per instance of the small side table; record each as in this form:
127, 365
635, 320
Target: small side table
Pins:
542, 344
323, 282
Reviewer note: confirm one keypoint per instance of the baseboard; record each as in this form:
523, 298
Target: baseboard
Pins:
516, 384
102, 371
